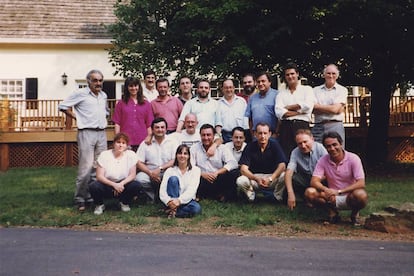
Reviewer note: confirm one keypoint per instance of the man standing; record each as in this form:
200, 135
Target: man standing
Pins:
166, 106
155, 158
90, 111
262, 166
261, 105
150, 93
231, 109
249, 86
331, 99
293, 107
345, 177
205, 108
218, 172
301, 165
186, 87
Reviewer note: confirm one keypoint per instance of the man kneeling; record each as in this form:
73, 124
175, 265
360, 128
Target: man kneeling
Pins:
345, 178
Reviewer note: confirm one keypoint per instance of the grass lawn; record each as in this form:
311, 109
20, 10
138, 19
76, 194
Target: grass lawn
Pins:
43, 197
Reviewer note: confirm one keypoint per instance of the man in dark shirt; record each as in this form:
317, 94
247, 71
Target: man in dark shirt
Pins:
262, 166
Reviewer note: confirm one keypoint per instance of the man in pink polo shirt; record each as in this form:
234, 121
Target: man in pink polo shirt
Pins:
345, 178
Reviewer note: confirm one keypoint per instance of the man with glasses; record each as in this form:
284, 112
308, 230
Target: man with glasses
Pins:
89, 110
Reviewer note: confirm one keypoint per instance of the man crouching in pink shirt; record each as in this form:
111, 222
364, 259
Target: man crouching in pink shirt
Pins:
345, 178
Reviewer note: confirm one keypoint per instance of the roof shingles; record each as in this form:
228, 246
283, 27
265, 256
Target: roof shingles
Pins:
56, 19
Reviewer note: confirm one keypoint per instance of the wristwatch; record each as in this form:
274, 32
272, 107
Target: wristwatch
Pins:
161, 169
270, 179
339, 192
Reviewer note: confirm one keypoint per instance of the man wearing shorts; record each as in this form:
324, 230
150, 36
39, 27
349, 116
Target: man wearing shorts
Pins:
345, 179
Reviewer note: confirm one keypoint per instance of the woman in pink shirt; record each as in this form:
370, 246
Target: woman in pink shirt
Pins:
133, 114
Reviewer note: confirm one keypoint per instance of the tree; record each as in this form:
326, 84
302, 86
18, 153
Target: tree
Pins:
371, 41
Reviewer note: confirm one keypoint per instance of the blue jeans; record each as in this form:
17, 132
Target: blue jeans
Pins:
184, 210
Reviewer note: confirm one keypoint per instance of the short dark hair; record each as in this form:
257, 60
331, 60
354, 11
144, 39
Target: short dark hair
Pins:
332, 134
268, 76
263, 124
207, 126
162, 79
121, 135
237, 128
203, 80
249, 75
148, 72
290, 65
158, 120
184, 77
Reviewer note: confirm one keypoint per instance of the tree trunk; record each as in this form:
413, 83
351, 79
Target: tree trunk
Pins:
377, 142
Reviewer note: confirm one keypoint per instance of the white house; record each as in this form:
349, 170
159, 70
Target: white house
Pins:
44, 39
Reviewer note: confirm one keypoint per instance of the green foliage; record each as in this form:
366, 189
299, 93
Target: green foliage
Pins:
43, 197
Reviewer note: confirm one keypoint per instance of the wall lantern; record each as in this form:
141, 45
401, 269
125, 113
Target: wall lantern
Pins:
64, 79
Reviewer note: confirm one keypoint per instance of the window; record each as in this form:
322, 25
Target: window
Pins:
11, 89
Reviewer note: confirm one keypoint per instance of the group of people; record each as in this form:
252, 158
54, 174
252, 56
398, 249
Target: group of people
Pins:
183, 149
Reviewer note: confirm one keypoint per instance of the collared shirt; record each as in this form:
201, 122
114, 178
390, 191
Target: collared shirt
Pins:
155, 155
221, 158
325, 96
262, 109
342, 175
90, 109
303, 96
263, 162
305, 163
185, 138
236, 153
232, 114
149, 95
134, 119
170, 110
189, 182
207, 112
117, 169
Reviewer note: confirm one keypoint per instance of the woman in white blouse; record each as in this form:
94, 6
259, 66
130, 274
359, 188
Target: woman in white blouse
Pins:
179, 186
115, 175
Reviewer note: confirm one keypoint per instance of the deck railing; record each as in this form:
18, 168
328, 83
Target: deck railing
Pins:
29, 115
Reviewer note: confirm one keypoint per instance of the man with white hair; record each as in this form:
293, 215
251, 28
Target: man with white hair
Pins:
331, 100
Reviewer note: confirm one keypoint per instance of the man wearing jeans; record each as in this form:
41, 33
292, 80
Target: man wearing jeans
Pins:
90, 111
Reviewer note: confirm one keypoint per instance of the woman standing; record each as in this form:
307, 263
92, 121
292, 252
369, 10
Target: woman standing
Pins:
179, 186
115, 175
133, 114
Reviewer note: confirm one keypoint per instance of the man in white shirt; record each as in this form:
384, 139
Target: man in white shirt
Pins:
231, 109
149, 90
155, 158
189, 136
237, 143
218, 172
329, 108
293, 107
204, 107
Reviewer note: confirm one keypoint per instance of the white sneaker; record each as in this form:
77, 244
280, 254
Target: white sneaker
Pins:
99, 210
124, 207
251, 195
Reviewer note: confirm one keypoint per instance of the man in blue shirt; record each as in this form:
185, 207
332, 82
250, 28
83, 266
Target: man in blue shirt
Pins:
261, 105
302, 163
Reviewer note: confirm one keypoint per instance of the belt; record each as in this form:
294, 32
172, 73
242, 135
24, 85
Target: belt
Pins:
94, 129
294, 121
329, 121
